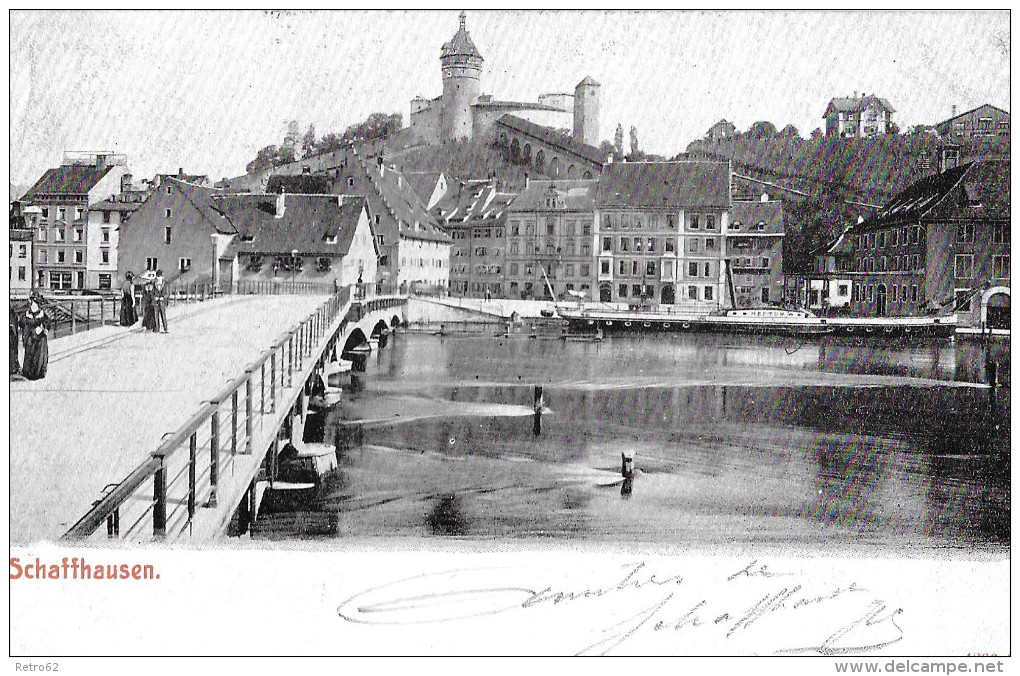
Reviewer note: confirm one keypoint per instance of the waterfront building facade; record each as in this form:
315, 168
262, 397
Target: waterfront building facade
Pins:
550, 240
20, 275
660, 234
754, 249
474, 214
105, 220
942, 244
324, 239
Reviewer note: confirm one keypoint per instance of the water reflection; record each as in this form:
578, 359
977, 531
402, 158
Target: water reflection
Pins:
735, 440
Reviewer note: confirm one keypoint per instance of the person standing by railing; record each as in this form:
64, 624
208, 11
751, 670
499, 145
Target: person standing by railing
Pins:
14, 334
159, 301
128, 315
37, 353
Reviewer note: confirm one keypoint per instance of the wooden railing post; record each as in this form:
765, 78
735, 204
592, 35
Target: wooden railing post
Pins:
233, 423
192, 476
214, 455
159, 500
262, 389
74, 322
248, 422
272, 377
88, 314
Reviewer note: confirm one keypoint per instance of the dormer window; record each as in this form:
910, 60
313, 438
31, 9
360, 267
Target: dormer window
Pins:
330, 239
350, 181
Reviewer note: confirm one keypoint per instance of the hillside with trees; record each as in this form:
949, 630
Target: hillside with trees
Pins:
828, 182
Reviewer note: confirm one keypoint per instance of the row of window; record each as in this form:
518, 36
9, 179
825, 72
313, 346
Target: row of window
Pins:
79, 213
863, 293
60, 256
569, 228
890, 238
152, 263
762, 262
60, 234
964, 266
627, 221
421, 262
898, 264
22, 251
584, 270
569, 248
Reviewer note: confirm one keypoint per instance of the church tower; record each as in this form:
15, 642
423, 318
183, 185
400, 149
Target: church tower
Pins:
462, 72
586, 111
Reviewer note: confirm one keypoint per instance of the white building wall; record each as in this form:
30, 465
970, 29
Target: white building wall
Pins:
95, 245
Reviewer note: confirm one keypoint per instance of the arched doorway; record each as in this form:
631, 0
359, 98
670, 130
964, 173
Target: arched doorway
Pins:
587, 174
995, 305
572, 171
880, 304
540, 160
554, 166
668, 295
515, 150
605, 293
527, 152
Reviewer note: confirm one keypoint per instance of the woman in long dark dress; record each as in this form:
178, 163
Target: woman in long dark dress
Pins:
128, 315
37, 352
148, 310
14, 331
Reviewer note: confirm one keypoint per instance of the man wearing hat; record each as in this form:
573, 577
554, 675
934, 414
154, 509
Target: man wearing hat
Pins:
159, 301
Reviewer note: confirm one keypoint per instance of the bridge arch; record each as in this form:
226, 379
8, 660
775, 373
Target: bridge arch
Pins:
357, 337
380, 327
540, 161
395, 321
515, 149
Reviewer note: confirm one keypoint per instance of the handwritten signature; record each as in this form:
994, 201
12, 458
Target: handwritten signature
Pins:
851, 619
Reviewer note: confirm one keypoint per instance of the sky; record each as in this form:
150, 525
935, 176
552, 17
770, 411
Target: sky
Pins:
204, 91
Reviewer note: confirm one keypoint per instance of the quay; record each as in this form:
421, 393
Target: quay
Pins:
98, 446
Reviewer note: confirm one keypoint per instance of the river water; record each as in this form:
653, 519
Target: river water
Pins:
737, 441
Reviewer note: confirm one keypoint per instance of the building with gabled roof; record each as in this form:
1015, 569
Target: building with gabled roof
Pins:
473, 213
660, 233
862, 116
754, 249
63, 195
940, 245
550, 229
429, 186
984, 121
172, 231
284, 237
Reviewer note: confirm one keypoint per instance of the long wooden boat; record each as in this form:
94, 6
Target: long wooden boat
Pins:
762, 321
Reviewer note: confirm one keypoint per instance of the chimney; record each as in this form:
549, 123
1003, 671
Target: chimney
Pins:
860, 219
855, 94
954, 111
180, 173
281, 202
764, 196
125, 183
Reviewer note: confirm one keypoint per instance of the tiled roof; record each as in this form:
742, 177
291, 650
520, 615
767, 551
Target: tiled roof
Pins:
970, 112
472, 201
554, 138
461, 44
306, 223
751, 213
576, 195
517, 105
68, 179
973, 190
850, 104
202, 198
114, 205
301, 184
403, 204
423, 183
842, 244
201, 179
673, 185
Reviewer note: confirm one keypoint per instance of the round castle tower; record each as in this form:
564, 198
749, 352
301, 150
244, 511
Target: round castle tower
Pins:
462, 72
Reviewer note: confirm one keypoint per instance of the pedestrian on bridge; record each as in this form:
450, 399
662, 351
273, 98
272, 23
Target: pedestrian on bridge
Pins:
37, 352
159, 301
128, 315
15, 330
148, 314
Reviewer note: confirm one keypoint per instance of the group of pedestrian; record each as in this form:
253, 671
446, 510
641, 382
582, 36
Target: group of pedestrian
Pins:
153, 300
32, 327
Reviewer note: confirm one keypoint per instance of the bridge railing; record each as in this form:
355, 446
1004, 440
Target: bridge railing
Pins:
164, 493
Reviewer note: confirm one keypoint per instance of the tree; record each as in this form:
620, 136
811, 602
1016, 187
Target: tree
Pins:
633, 141
917, 130
894, 128
308, 142
607, 149
816, 134
264, 159
293, 135
618, 140
762, 129
790, 131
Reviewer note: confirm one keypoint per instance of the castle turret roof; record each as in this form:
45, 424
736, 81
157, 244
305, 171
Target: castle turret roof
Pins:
461, 44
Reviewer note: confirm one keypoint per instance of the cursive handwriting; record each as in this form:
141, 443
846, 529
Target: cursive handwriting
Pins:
652, 604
